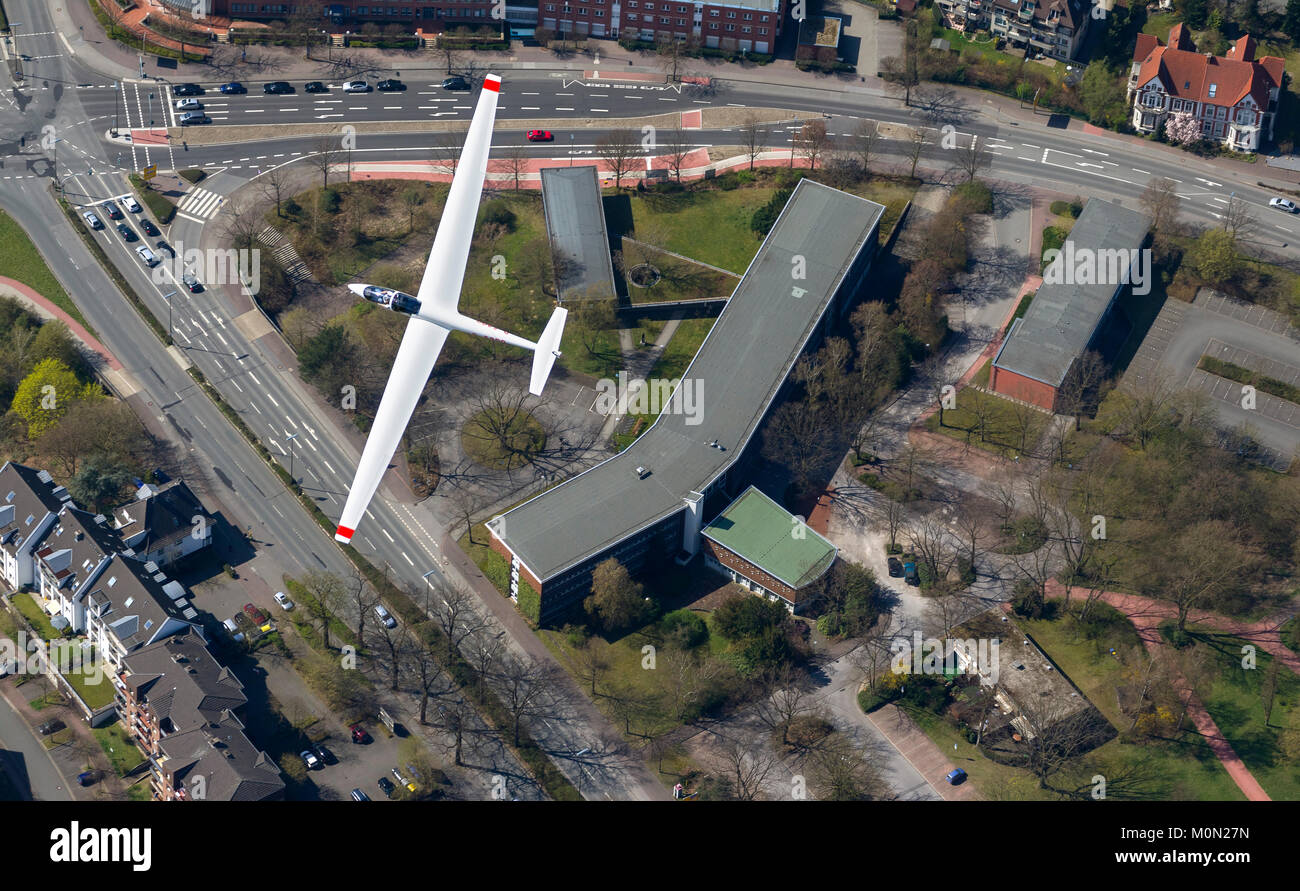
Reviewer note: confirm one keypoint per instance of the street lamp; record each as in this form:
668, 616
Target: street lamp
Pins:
570, 149
290, 439
168, 297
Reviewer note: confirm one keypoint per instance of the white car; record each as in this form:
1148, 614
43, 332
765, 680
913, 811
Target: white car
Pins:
1285, 204
284, 602
309, 759
385, 616
131, 204
146, 256
356, 86
188, 105
92, 221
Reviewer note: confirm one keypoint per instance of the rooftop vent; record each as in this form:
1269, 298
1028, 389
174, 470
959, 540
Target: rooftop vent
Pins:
642, 471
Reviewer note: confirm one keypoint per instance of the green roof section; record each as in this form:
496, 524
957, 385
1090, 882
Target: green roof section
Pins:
762, 532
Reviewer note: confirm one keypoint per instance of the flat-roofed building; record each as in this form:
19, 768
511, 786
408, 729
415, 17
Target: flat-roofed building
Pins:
648, 503
763, 547
1072, 305
575, 225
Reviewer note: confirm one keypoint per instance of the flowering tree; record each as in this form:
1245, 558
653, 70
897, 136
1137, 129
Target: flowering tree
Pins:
1182, 128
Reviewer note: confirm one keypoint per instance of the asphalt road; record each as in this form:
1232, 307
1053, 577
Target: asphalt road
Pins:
30, 765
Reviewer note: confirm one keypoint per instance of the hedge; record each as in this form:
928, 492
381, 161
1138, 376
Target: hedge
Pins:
193, 175
1270, 385
160, 205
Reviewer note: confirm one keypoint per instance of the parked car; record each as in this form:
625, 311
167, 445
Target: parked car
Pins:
231, 626
895, 567
401, 780
390, 85
149, 228
188, 105
385, 616
87, 778
910, 574
359, 735
147, 257
358, 795
315, 86
111, 209
92, 221
324, 754
277, 87
127, 233
187, 90
385, 784
1285, 204
356, 86
309, 758
194, 285
258, 617
956, 776
165, 248
131, 204
233, 87
50, 727
280, 598
191, 118
455, 82
539, 135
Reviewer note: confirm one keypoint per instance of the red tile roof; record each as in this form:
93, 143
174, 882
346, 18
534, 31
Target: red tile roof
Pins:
1187, 74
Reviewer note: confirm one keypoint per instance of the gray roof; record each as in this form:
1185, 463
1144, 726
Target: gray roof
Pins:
26, 496
232, 767
163, 516
736, 374
182, 683
575, 224
1061, 320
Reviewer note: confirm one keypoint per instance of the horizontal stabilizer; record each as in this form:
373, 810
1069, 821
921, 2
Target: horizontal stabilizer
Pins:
548, 349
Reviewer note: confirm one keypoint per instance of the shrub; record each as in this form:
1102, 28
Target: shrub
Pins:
193, 175
331, 200
974, 197
765, 217
499, 213
686, 625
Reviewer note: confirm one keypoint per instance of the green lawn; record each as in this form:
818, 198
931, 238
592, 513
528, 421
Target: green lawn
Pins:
1159, 24
1009, 429
709, 226
1235, 701
121, 751
20, 260
96, 695
33, 613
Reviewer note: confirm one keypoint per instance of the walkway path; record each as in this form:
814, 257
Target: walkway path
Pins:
921, 752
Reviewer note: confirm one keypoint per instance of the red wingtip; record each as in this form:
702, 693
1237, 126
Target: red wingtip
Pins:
344, 533
492, 82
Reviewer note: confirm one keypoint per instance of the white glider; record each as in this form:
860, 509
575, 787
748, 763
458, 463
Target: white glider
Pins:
434, 314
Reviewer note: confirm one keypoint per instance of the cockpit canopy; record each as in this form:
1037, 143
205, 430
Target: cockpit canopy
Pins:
394, 300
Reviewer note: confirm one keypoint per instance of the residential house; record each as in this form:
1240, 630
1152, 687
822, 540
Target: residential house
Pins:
1234, 97
1055, 28
29, 502
164, 524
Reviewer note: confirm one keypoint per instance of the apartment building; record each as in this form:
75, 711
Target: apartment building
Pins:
178, 703
164, 524
1055, 28
1234, 97
30, 500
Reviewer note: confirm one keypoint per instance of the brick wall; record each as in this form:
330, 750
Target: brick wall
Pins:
524, 574
731, 560
1017, 386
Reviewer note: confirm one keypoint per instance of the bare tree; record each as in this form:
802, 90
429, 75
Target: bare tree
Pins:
753, 136
593, 661
361, 599
917, 140
812, 141
446, 149
523, 687
972, 158
503, 422
327, 594
785, 700
1080, 389
483, 651
676, 149
431, 678
516, 160
1160, 201
865, 143
938, 102
455, 610
619, 149
747, 769
874, 654
275, 183
838, 771
1238, 218
325, 156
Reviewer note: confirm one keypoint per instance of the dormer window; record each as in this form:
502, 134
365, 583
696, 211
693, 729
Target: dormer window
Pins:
30, 520
112, 581
1214, 88
9, 497
129, 601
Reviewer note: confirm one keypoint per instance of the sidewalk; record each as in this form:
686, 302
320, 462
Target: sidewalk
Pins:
921, 752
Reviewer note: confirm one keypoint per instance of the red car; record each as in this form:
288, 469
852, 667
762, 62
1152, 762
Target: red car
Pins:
359, 735
258, 617
540, 135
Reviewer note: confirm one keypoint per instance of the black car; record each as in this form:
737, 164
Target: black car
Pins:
896, 567
387, 786
455, 83
233, 87
326, 755
390, 86
149, 228
187, 90
51, 727
127, 233
165, 248
277, 87
111, 209
191, 282
315, 86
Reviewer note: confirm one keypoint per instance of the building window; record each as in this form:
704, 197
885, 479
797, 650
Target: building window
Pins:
745, 29
713, 26
749, 16
663, 19
713, 12
731, 27
600, 13
681, 21
731, 13
582, 10
762, 30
